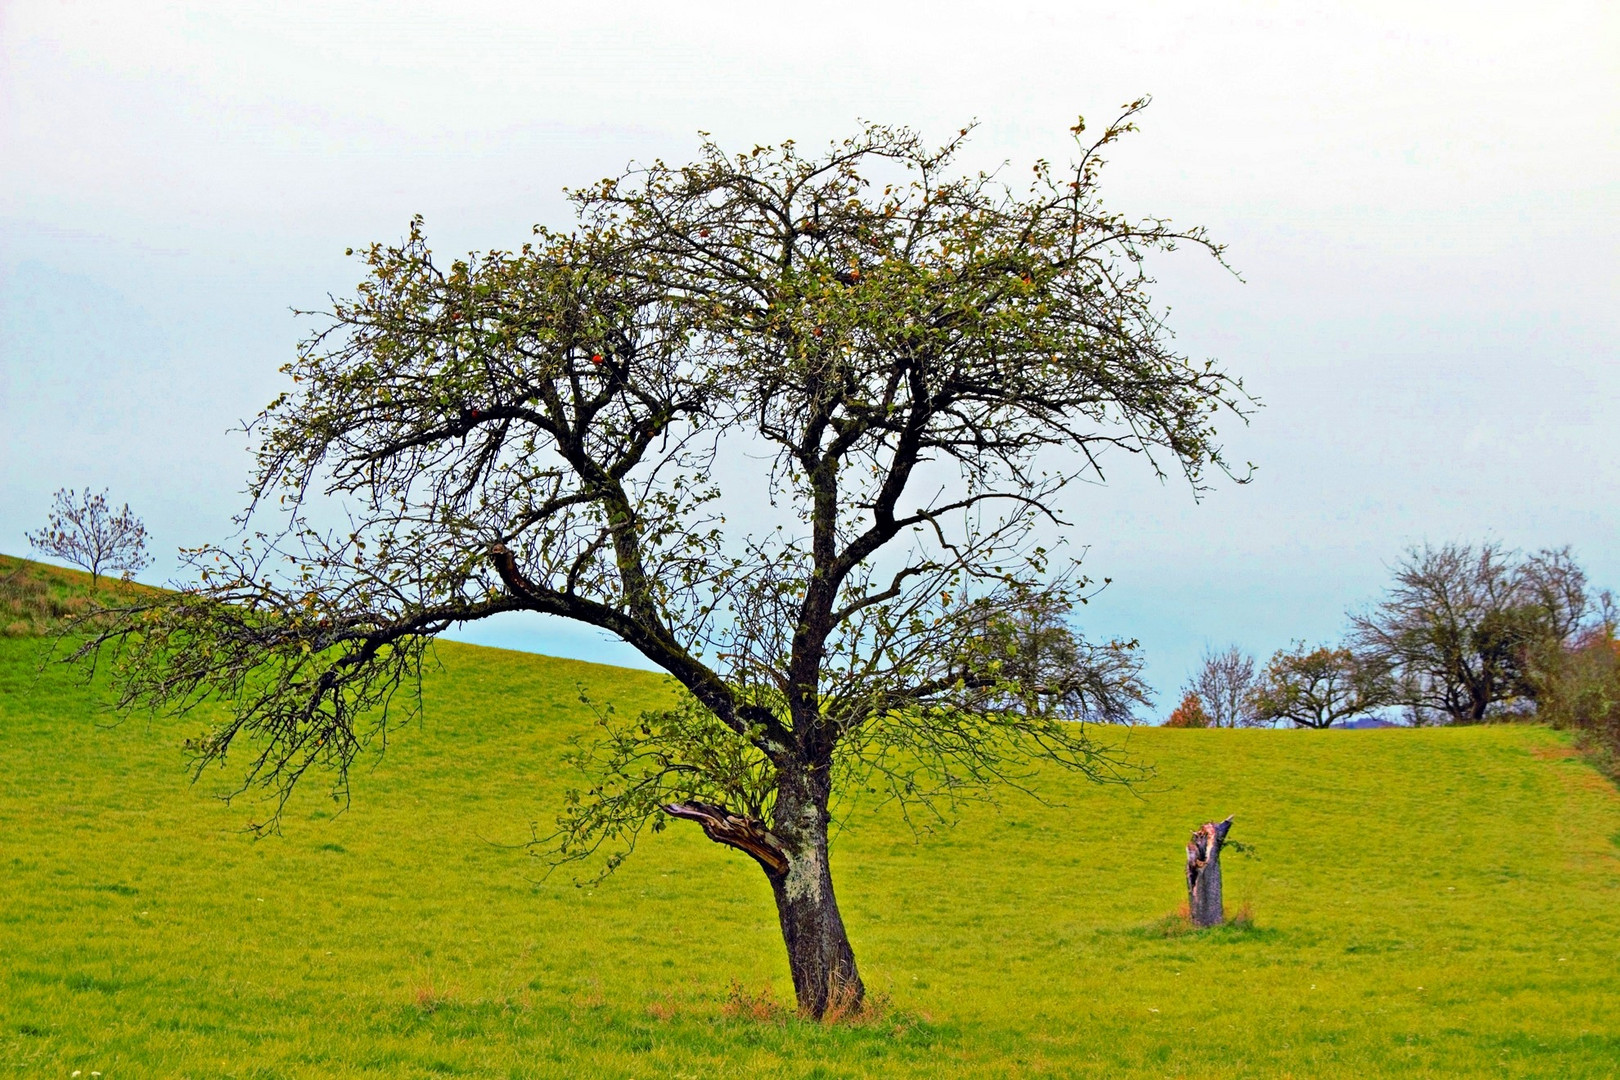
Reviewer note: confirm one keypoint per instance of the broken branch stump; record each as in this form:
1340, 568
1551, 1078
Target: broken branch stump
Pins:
1204, 905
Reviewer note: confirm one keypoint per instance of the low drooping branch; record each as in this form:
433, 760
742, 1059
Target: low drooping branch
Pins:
734, 830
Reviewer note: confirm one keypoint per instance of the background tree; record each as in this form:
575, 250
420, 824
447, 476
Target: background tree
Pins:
1316, 688
1225, 684
925, 359
84, 530
1189, 713
1462, 627
1578, 688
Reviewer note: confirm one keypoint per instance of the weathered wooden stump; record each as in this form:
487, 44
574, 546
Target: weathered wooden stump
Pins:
1204, 905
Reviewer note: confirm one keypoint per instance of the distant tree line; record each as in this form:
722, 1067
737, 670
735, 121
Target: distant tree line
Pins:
1466, 634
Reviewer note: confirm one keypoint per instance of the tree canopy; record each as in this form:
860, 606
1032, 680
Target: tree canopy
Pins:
1317, 688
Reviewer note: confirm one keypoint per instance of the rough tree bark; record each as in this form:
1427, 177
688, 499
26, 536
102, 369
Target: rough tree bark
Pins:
819, 954
793, 854
1204, 906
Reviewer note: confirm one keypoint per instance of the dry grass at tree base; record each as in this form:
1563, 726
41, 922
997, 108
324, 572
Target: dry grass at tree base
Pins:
1466, 930
1179, 924
763, 1005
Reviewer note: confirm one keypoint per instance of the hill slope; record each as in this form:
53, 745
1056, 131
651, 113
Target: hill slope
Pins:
1426, 903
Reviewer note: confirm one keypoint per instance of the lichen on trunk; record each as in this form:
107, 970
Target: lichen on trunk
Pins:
820, 957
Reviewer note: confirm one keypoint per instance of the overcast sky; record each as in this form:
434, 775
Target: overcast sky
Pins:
1423, 202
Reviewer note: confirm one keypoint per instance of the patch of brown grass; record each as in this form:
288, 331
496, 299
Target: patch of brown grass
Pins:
37, 599
759, 1006
430, 996
762, 1006
1179, 922
27, 607
591, 998
665, 1010
1176, 924
844, 1008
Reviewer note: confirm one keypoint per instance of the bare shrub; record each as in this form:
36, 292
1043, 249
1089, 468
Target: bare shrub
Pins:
1578, 689
84, 530
1225, 684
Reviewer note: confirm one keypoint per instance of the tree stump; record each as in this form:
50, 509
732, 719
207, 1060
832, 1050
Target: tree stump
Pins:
1204, 905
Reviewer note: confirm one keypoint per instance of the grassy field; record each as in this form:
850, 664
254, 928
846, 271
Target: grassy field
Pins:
1425, 903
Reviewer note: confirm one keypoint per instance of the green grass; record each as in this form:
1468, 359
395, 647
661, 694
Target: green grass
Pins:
1424, 903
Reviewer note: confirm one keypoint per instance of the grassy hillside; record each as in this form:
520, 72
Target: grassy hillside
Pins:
1425, 903
34, 596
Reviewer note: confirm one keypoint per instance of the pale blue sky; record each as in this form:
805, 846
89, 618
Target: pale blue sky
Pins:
1424, 205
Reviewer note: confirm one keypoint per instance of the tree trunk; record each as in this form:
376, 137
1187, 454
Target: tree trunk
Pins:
1204, 906
825, 978
793, 854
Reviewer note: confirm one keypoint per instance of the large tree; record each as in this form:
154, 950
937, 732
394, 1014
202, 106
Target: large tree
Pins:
1462, 627
796, 428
